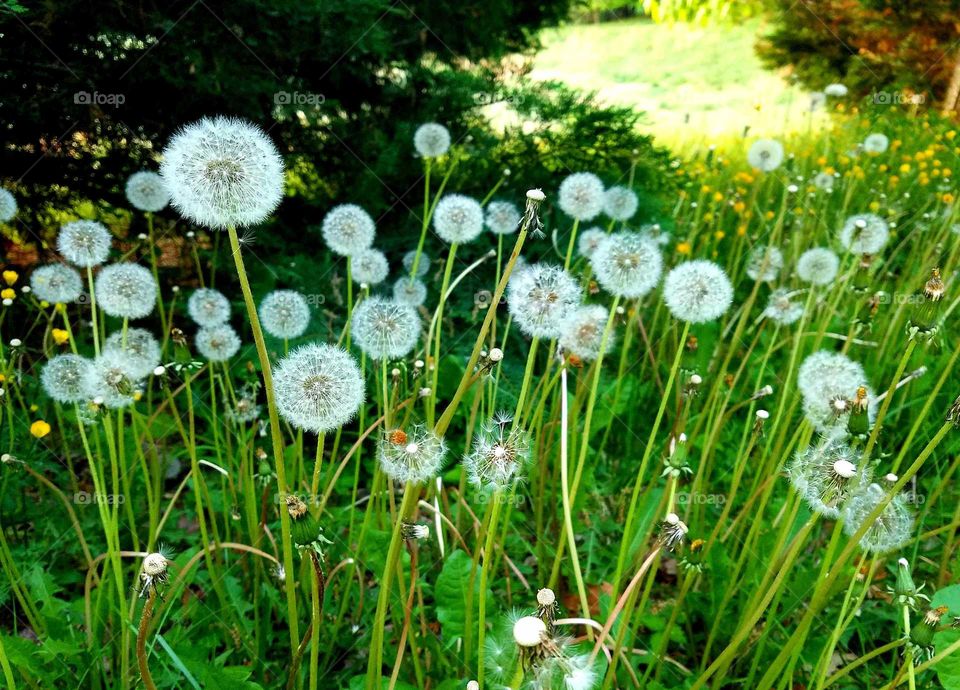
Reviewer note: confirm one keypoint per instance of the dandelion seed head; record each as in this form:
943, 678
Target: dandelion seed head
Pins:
697, 291
765, 155
540, 297
824, 181
64, 378
208, 307
529, 631
620, 203
412, 293
84, 243
826, 379
8, 205
111, 379
348, 229
876, 143
581, 196
423, 267
431, 140
369, 267
782, 309
217, 343
836, 90
56, 283
223, 172
864, 233
890, 531
764, 263
412, 456
284, 314
582, 331
458, 219
140, 347
502, 217
318, 387
147, 192
627, 264
383, 328
499, 454
589, 240
818, 266
126, 290
827, 474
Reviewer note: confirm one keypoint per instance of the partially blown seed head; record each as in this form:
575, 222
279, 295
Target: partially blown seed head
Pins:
826, 474
890, 531
499, 454
782, 308
411, 456
764, 263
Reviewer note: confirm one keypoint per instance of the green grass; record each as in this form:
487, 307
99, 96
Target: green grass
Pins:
709, 77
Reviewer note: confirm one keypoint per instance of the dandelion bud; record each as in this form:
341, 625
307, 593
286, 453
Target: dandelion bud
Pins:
859, 422
905, 591
921, 635
923, 320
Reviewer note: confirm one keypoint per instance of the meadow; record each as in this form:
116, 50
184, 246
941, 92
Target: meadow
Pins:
551, 444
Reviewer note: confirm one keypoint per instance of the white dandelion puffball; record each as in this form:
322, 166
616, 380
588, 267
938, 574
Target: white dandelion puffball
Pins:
697, 291
499, 454
529, 631
540, 298
208, 307
423, 267
8, 205
223, 172
284, 314
818, 266
431, 140
818, 99
582, 331
627, 264
864, 233
765, 155
876, 143
84, 243
217, 343
824, 181
348, 229
458, 219
581, 196
764, 263
503, 217
126, 290
318, 387
620, 203
111, 379
140, 347
384, 329
64, 378
824, 369
827, 474
836, 90
890, 531
413, 293
147, 192
56, 283
369, 267
411, 456
589, 240
782, 309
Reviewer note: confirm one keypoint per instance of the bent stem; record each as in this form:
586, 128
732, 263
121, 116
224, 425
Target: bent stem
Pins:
142, 641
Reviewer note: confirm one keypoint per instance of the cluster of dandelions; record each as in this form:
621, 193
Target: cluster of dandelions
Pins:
583, 197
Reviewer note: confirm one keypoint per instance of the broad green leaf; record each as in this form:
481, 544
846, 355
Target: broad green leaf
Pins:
450, 593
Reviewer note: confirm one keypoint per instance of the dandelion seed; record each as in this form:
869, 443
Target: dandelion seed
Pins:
385, 329
458, 219
765, 155
8, 205
208, 307
412, 293
348, 229
369, 267
284, 314
56, 283
620, 203
217, 343
84, 243
223, 172
697, 291
890, 531
146, 191
140, 347
318, 388
764, 263
415, 456
431, 140
64, 378
126, 290
540, 298
818, 266
581, 196
502, 217
582, 331
865, 233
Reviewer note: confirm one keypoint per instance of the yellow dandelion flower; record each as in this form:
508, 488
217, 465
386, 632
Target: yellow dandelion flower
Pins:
7, 293
60, 336
684, 248
39, 428
10, 277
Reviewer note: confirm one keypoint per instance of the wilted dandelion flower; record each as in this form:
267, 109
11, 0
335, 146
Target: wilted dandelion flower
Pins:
826, 474
458, 219
369, 267
111, 379
782, 309
126, 290
146, 191
865, 233
208, 307
56, 283
627, 264
318, 387
8, 205
383, 328
64, 378
581, 196
540, 297
284, 314
140, 347
818, 266
84, 243
423, 267
589, 240
431, 140
348, 229
764, 263
223, 171
824, 181
502, 217
412, 293
836, 90
154, 571
499, 454
217, 343
876, 143
411, 456
620, 203
891, 530
765, 155
697, 291
582, 332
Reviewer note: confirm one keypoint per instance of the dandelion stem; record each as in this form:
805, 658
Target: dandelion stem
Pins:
142, 640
